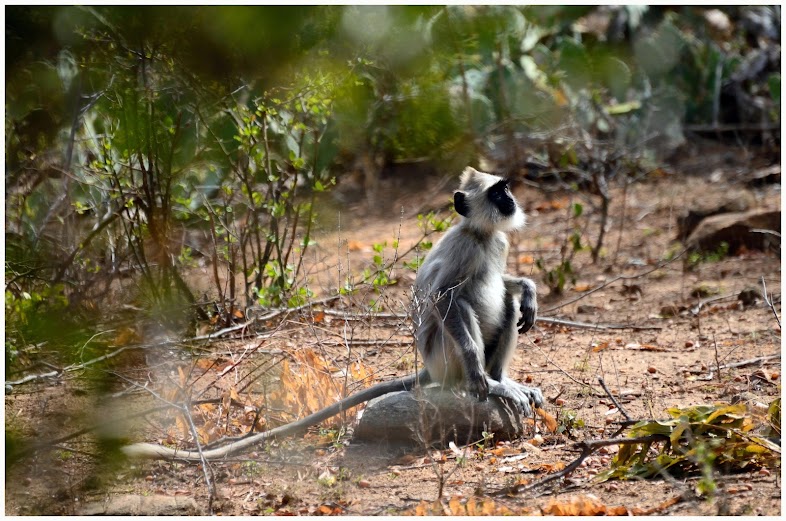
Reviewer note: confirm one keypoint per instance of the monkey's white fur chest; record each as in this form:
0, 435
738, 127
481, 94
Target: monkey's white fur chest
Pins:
491, 303
489, 294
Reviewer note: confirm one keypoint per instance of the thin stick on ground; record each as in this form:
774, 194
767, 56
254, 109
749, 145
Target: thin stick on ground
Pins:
717, 360
207, 471
743, 363
586, 325
768, 301
561, 370
615, 279
614, 400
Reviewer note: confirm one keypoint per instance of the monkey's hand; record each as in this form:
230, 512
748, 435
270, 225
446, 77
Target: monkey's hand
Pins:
522, 396
528, 306
478, 385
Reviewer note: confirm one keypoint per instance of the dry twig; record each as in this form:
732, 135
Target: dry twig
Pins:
587, 448
614, 400
768, 300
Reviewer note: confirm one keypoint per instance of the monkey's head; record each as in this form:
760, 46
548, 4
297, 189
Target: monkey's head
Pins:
486, 203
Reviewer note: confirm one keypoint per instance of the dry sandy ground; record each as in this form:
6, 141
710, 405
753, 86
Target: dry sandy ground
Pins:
661, 362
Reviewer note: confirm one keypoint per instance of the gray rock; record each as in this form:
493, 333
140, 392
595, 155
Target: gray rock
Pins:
134, 505
739, 201
435, 417
737, 230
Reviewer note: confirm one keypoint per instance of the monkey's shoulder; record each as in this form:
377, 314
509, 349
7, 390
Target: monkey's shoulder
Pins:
473, 241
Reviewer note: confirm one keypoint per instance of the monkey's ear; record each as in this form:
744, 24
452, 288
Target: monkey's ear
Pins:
460, 202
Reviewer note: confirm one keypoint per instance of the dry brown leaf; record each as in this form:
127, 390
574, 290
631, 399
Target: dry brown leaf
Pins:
208, 432
204, 363
548, 420
559, 98
582, 287
456, 509
406, 459
547, 206
600, 347
582, 506
328, 510
181, 376
526, 259
355, 245
182, 425
549, 468
504, 450
207, 408
126, 336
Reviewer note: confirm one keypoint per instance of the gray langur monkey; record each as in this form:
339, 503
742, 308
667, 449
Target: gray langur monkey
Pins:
467, 314
468, 310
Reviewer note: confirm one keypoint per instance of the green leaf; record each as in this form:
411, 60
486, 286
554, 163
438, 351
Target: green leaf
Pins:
774, 84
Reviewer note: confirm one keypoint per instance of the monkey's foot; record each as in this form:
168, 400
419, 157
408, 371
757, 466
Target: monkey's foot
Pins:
522, 396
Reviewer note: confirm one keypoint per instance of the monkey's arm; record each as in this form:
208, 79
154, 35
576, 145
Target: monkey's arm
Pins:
153, 451
523, 290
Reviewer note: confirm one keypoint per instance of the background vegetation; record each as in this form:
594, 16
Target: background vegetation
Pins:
142, 139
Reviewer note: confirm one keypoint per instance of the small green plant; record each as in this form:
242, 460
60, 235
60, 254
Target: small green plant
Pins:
557, 277
379, 275
251, 468
698, 257
64, 455
774, 418
695, 440
705, 458
582, 365
487, 437
568, 422
429, 224
282, 290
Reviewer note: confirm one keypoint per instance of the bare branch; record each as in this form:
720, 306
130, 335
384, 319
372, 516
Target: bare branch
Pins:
768, 300
614, 400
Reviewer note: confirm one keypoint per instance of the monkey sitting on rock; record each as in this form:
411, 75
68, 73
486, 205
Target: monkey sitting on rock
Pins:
467, 314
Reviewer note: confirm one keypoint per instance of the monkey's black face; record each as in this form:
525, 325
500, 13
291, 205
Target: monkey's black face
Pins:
500, 196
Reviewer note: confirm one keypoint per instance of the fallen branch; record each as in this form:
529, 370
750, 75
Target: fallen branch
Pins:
615, 279
587, 448
585, 325
270, 315
77, 367
697, 308
207, 471
32, 377
743, 363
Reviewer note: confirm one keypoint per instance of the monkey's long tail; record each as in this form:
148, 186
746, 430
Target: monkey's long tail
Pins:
153, 451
